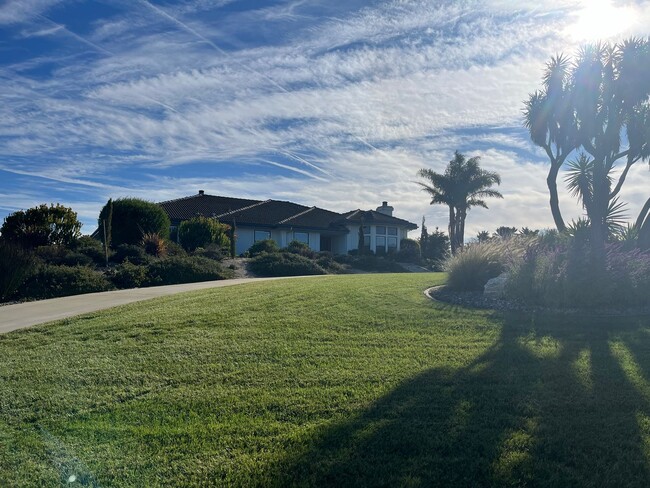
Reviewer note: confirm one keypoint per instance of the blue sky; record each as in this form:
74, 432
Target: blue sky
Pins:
325, 102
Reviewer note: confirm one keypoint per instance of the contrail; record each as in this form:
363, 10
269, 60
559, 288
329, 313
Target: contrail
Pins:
77, 36
210, 43
291, 168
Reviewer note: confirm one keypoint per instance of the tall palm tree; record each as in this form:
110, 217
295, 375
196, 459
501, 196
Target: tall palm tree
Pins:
463, 185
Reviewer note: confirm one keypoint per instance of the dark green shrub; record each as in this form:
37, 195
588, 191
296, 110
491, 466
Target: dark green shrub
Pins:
409, 251
16, 265
369, 262
284, 264
134, 254
128, 275
59, 255
326, 261
42, 226
174, 249
297, 247
212, 251
133, 218
203, 231
58, 281
92, 248
268, 246
188, 269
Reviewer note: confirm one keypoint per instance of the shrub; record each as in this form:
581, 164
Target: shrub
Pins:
154, 245
409, 251
562, 275
297, 247
128, 275
212, 251
369, 262
132, 218
473, 266
135, 254
42, 226
174, 249
326, 260
268, 246
201, 232
16, 265
92, 248
188, 269
57, 281
59, 255
284, 264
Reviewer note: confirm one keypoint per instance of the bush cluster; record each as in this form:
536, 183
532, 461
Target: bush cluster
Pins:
57, 281
284, 264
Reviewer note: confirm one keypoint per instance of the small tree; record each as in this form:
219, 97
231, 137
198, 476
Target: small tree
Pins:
42, 226
201, 231
483, 236
132, 218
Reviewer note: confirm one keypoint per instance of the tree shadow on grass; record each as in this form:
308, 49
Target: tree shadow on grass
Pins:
555, 402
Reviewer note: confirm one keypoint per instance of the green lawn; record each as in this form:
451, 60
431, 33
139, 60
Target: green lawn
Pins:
354, 380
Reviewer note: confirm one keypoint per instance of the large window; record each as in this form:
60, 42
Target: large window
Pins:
385, 239
262, 235
301, 237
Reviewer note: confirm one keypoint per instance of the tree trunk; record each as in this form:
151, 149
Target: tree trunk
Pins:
461, 228
643, 227
598, 215
551, 182
452, 230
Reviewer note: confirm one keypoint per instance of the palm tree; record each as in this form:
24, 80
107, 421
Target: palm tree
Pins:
463, 185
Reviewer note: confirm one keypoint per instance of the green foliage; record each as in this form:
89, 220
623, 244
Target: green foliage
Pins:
463, 185
174, 249
265, 246
59, 255
369, 262
188, 269
16, 265
133, 253
506, 232
283, 264
58, 281
92, 248
471, 268
559, 273
42, 226
133, 218
435, 247
202, 231
296, 247
483, 236
409, 251
154, 245
128, 275
211, 251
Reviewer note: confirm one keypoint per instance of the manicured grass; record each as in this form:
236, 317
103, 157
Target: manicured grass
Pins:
353, 380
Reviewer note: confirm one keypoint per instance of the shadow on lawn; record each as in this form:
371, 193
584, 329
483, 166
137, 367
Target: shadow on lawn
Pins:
555, 402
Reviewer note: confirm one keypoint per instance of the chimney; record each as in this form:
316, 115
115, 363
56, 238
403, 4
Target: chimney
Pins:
201, 192
385, 209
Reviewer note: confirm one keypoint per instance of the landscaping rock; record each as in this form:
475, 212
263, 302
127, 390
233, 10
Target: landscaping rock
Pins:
495, 287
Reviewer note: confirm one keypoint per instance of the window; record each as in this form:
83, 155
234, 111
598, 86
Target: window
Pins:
392, 231
386, 239
392, 244
380, 245
262, 235
301, 237
381, 230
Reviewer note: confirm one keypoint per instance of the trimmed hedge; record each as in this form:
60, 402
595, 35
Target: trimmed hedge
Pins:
267, 246
132, 218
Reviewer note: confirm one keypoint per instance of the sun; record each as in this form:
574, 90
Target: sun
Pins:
599, 19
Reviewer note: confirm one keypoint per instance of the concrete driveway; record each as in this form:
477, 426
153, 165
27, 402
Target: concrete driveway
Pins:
23, 315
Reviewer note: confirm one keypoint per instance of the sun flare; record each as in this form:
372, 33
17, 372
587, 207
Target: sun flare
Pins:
599, 19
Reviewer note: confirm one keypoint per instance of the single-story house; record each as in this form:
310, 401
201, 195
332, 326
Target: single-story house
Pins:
322, 230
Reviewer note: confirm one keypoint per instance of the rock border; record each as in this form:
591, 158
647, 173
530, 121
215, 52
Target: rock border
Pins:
476, 300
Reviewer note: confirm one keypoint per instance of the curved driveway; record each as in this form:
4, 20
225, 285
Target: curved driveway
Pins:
23, 315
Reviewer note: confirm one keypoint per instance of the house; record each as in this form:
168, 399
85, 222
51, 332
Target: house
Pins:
322, 230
